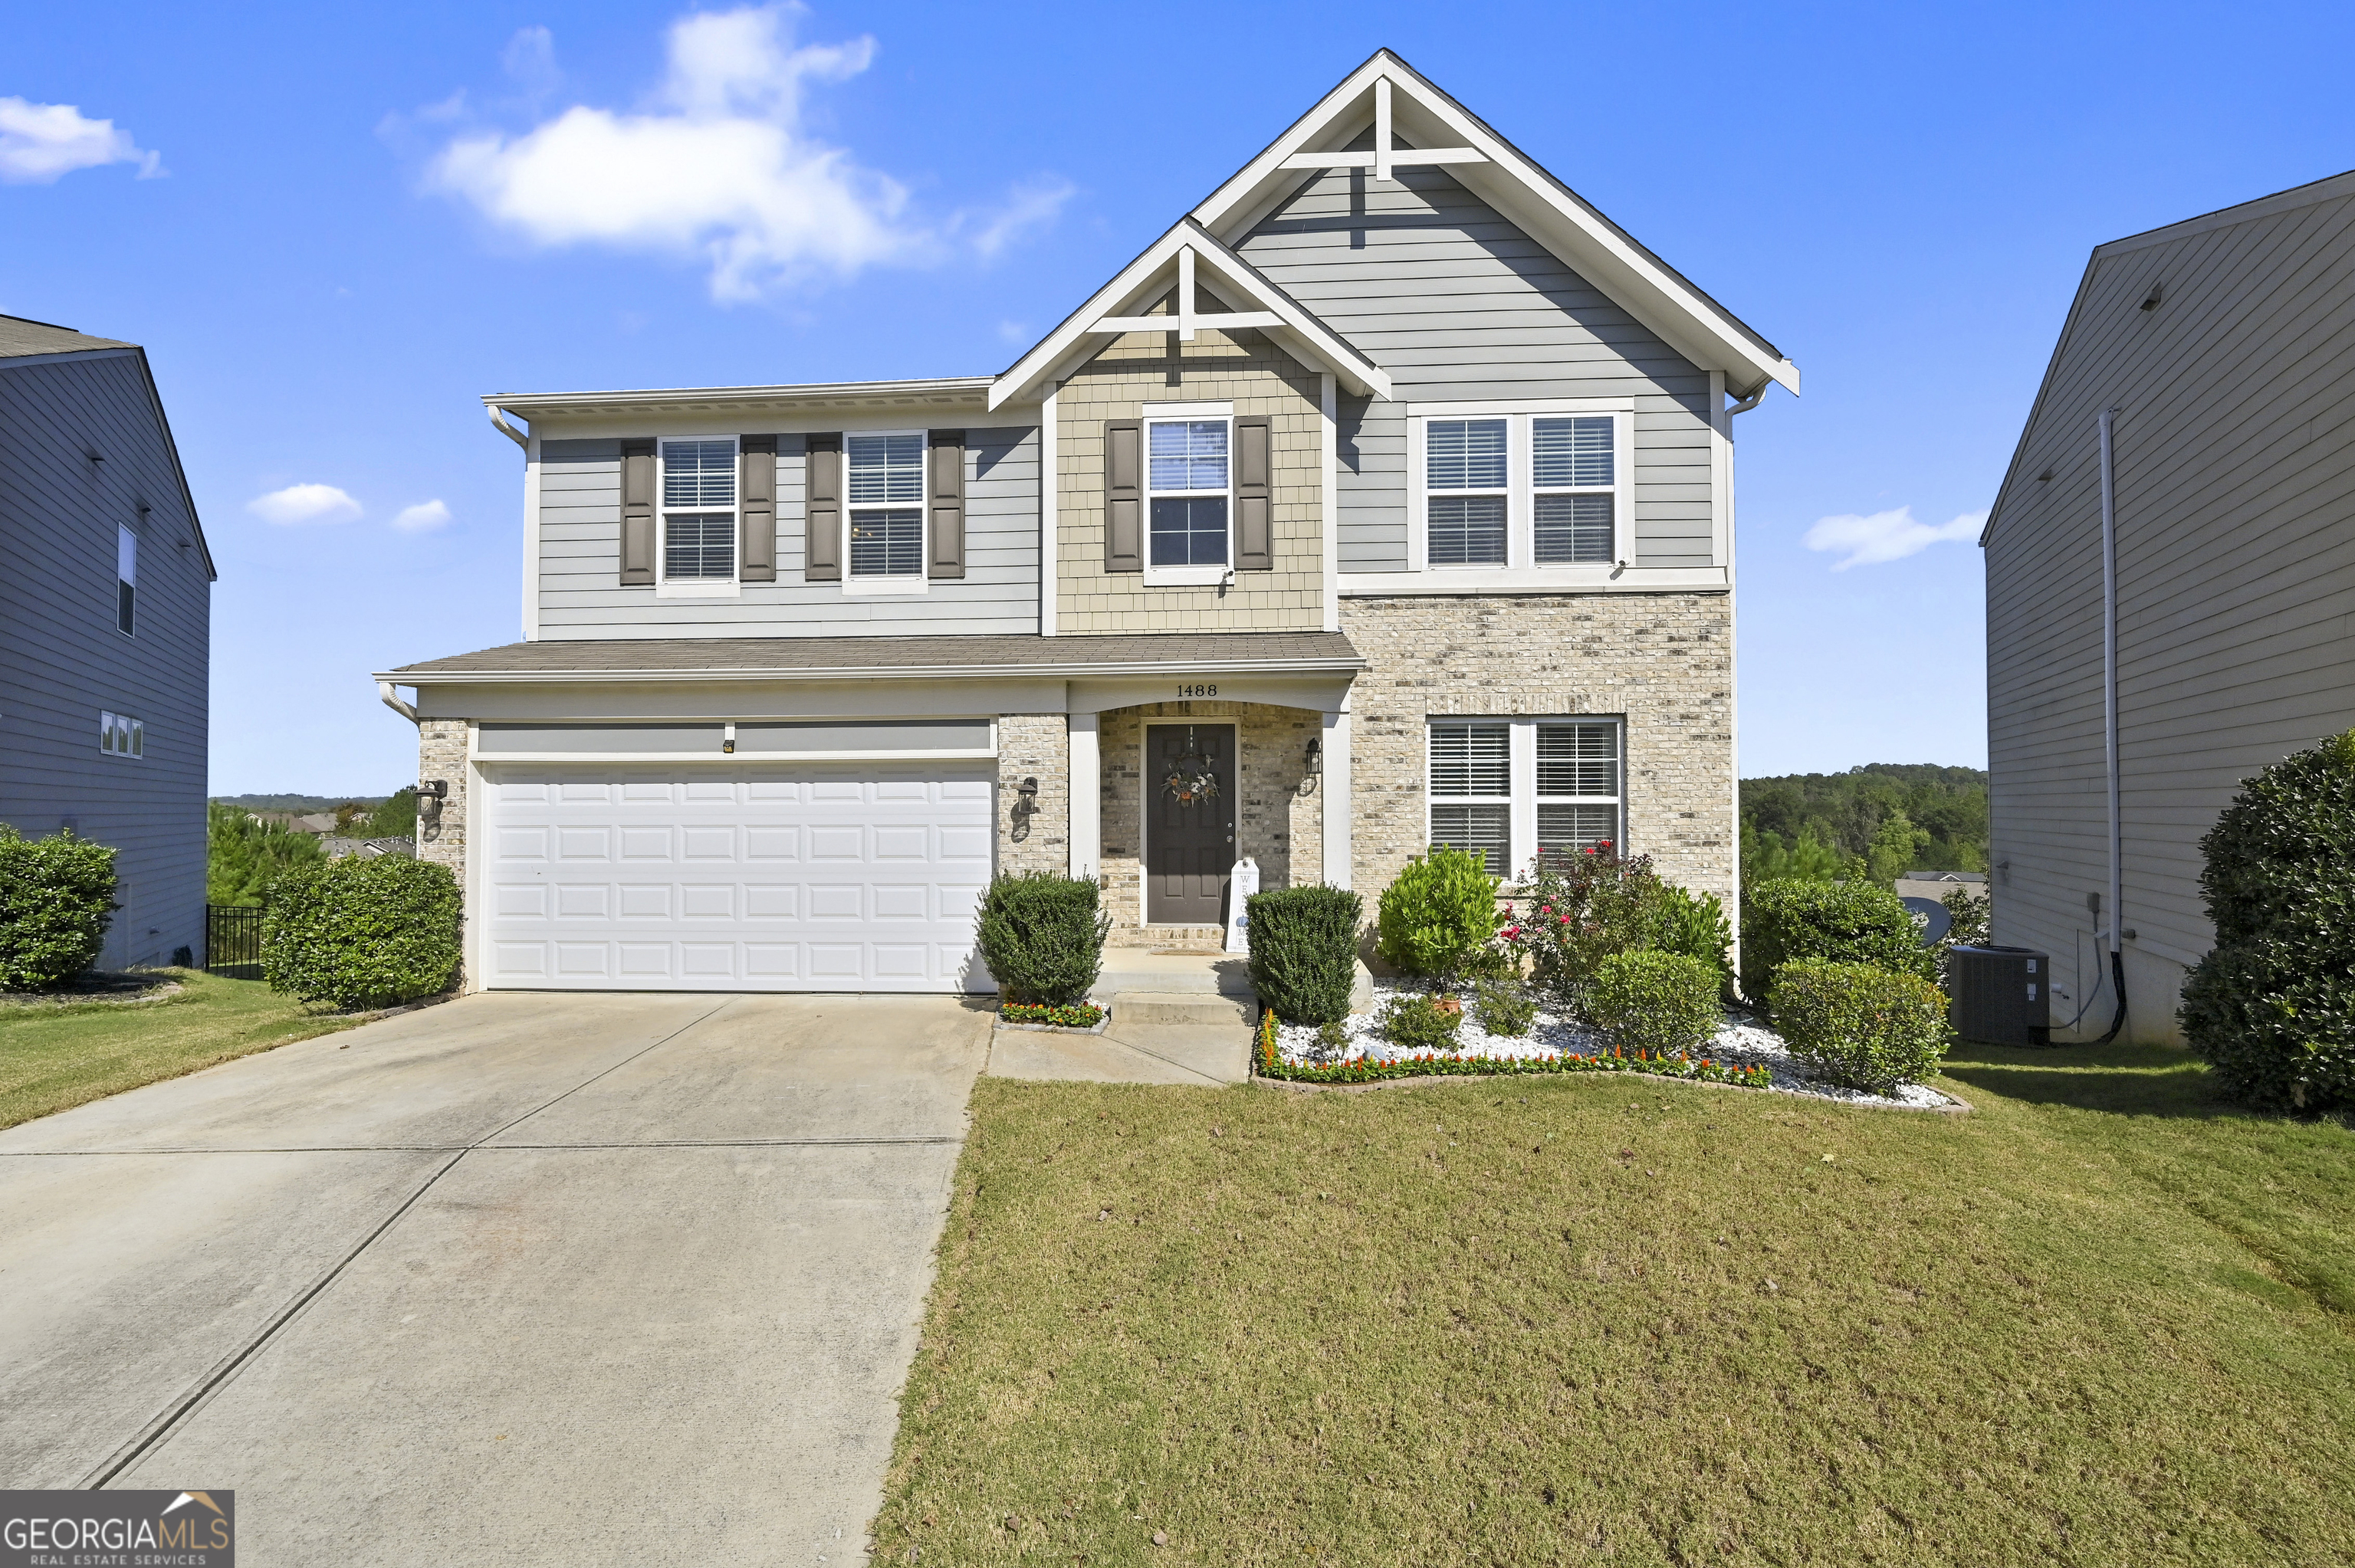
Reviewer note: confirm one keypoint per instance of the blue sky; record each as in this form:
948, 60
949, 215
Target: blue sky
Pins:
333, 228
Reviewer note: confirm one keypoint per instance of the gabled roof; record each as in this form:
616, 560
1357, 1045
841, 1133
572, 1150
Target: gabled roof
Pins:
19, 338
1549, 211
1112, 310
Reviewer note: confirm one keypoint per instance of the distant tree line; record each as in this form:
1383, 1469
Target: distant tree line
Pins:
249, 847
1873, 823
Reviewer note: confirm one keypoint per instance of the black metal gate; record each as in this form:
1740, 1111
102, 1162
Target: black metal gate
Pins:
233, 941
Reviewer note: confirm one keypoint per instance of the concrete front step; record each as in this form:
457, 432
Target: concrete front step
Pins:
1148, 1008
1126, 970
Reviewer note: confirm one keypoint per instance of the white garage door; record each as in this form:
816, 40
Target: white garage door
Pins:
735, 878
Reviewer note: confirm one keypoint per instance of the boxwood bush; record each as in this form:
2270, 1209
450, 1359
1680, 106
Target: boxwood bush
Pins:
1416, 1023
57, 898
1042, 936
2272, 1007
1304, 951
1436, 920
1840, 922
1656, 1002
362, 933
1860, 1025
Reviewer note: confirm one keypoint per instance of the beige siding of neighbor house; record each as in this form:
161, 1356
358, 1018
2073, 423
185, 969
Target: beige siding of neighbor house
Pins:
2235, 521
1242, 367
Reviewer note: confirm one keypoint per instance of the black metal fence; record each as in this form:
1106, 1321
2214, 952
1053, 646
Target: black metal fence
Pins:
233, 941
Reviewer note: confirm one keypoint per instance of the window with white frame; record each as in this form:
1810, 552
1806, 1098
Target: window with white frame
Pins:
1187, 477
698, 498
122, 736
1507, 487
886, 493
1516, 791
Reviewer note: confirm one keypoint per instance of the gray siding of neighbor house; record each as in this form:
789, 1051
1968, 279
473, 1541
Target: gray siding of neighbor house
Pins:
1459, 305
581, 594
62, 661
2235, 507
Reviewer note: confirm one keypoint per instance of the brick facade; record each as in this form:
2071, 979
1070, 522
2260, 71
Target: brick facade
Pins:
442, 754
1242, 368
1663, 662
1034, 746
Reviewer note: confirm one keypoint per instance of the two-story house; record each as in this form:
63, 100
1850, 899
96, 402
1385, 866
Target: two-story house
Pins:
105, 629
1385, 500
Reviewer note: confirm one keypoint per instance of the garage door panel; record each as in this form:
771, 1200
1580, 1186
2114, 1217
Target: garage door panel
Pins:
640, 876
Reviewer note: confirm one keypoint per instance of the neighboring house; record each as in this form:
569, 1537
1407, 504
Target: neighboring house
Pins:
1939, 883
105, 629
366, 849
2221, 351
313, 822
1387, 500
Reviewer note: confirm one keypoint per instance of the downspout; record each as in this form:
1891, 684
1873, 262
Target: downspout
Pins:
498, 418
2110, 715
392, 700
1746, 404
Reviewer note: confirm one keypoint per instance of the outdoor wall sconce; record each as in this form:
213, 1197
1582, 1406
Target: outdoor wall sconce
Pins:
1314, 765
431, 793
1026, 806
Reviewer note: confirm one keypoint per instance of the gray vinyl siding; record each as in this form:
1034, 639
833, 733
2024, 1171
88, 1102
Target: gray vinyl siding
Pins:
62, 661
581, 595
2235, 478
1459, 305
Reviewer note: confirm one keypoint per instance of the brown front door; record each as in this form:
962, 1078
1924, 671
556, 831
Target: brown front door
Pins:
1189, 822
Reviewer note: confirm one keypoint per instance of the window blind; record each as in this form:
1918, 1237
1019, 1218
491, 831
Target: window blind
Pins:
1471, 759
885, 469
1578, 759
699, 473
1463, 454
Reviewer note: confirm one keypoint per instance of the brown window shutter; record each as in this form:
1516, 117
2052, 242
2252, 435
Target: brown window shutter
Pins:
944, 465
637, 512
756, 502
1123, 442
1254, 538
822, 557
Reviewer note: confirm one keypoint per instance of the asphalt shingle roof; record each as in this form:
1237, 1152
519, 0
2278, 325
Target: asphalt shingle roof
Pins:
884, 655
19, 338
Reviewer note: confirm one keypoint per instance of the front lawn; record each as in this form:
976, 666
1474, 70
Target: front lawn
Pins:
53, 1057
2099, 1321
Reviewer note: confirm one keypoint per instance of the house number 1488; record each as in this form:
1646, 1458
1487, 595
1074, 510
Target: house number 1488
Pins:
1198, 692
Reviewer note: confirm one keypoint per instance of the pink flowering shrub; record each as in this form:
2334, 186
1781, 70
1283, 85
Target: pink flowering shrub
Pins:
1577, 910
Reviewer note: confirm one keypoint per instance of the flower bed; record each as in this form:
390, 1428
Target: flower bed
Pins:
1744, 1053
1078, 1015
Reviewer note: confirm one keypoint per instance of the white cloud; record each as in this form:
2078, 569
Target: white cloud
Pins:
1886, 535
1031, 204
422, 518
305, 504
39, 142
718, 164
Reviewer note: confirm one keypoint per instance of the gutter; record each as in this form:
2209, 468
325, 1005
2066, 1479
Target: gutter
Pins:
386, 680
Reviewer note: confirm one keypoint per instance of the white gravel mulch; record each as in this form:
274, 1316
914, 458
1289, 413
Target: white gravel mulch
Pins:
1740, 1042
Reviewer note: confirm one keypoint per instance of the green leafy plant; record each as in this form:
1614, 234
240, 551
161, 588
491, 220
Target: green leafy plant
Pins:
1438, 918
245, 855
1576, 911
1968, 926
2272, 1007
1332, 1038
1655, 1001
57, 898
1084, 1016
1843, 921
1304, 951
362, 933
1417, 1023
1042, 936
1694, 924
1505, 1007
1866, 1027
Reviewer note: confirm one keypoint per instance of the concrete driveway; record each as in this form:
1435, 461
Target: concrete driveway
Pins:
520, 1278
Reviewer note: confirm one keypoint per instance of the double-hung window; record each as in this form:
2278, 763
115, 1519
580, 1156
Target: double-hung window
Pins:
126, 580
118, 735
1512, 486
699, 510
1187, 488
1517, 791
886, 486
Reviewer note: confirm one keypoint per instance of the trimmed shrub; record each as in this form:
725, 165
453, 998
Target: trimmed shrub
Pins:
1840, 922
1304, 951
1042, 936
57, 898
1655, 1001
1439, 917
1859, 1025
1505, 1007
1417, 1023
1694, 924
362, 933
2272, 1007
1577, 910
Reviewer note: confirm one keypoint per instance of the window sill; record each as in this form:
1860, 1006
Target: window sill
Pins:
1186, 576
887, 588
1536, 580
697, 587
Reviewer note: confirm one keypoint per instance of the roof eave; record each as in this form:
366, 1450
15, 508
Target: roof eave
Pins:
875, 672
947, 389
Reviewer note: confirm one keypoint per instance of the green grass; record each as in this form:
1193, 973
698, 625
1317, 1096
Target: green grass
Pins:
54, 1057
2100, 1321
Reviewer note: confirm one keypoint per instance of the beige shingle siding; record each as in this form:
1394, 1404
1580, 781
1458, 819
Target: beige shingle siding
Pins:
1258, 377
2235, 442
